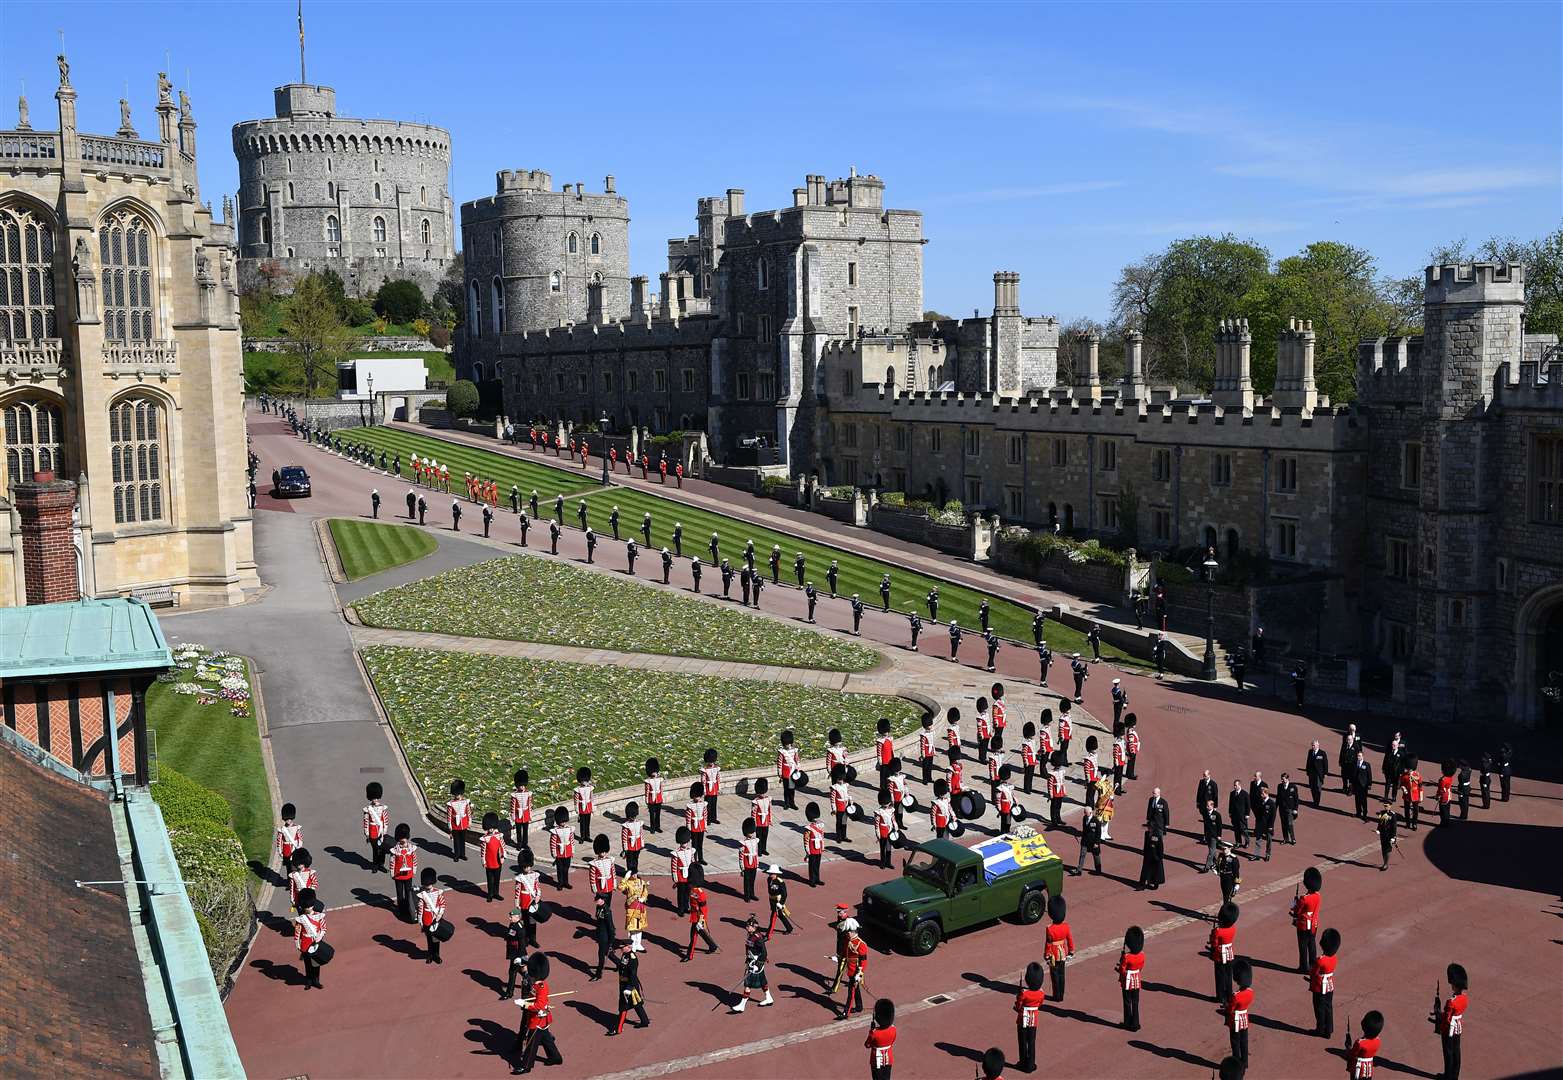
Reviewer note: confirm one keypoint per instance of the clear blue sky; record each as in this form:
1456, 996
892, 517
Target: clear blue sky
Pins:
1059, 141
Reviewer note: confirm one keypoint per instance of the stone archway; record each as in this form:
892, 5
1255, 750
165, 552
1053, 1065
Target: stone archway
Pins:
1538, 654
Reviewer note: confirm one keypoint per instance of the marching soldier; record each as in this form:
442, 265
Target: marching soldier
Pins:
632, 997
884, 752
488, 518
933, 604
591, 546
680, 862
787, 769
602, 926
856, 968
374, 503
1463, 789
515, 499
694, 572
580, 513
561, 846
1210, 819
613, 521
533, 503
1223, 949
423, 509
584, 796
992, 640
955, 640
1287, 802
776, 894
1038, 625
678, 539
645, 527
529, 893
1089, 771
881, 1040
1028, 1008
1131, 967
654, 794
1094, 638
637, 895
1505, 769
830, 577
632, 838
1361, 780
1228, 871
940, 811
760, 812
840, 800
559, 509
1120, 755
715, 548
983, 613
695, 820
602, 873
744, 576
925, 748
290, 837
515, 952
1305, 918
952, 730
404, 866
1003, 791
916, 623
1360, 1055
412, 504
1059, 945
699, 913
1449, 1020
1081, 673
492, 850
748, 858
667, 565
455, 515
431, 912
553, 538
1411, 790
1065, 731
1044, 660
1317, 766
884, 592
1321, 984
1090, 840
844, 925
1386, 828
377, 824
797, 568
309, 935
1159, 654
302, 876
811, 594
775, 564
1238, 806
1485, 779
896, 785
857, 614
1445, 793
1056, 791
749, 555
631, 550
755, 956
813, 842
458, 819
537, 1016
1237, 1009
525, 524
711, 785
1120, 698
884, 828
727, 580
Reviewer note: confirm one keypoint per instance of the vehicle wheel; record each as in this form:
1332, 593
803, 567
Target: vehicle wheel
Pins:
925, 938
1032, 905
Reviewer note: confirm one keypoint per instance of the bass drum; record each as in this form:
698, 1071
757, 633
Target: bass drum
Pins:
855, 812
800, 779
1019, 813
323, 953
445, 930
741, 789
543, 912
851, 774
909, 801
956, 828
970, 805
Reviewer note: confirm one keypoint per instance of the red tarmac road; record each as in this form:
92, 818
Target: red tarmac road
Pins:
1482, 892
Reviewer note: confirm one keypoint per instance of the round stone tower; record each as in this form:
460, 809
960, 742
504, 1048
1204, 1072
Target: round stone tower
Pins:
366, 198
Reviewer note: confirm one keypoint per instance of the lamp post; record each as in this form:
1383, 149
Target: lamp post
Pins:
370, 381
1208, 671
602, 451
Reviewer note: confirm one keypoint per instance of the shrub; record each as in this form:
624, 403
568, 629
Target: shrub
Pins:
770, 485
399, 301
380, 325
954, 507
422, 327
894, 499
439, 336
211, 862
357, 312
841, 491
463, 399
185, 803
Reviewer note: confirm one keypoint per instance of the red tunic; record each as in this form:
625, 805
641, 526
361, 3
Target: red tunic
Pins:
1237, 1009
1129, 967
760, 812
1452, 1020
1000, 717
458, 814
695, 817
493, 846
886, 746
521, 807
603, 875
561, 842
630, 836
1060, 943
1321, 980
814, 838
404, 861
711, 778
881, 1047
697, 906
538, 1015
857, 958
1359, 1059
1028, 1005
1305, 912
1223, 944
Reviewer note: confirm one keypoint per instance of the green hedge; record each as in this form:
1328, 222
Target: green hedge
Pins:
185, 803
770, 485
211, 862
1037, 547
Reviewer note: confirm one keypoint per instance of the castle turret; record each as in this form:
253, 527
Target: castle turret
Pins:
1234, 384
1294, 387
1008, 377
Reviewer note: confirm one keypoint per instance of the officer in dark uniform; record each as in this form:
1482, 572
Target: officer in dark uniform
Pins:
1044, 659
917, 627
553, 537
1463, 789
613, 521
884, 592
1239, 666
1094, 637
933, 604
412, 504
759, 583
559, 509
631, 549
580, 513
374, 501
1300, 682
727, 579
1361, 784
515, 952
857, 613
694, 572
488, 518
716, 550
678, 539
423, 509
667, 565
749, 555
775, 564
955, 639
743, 582
455, 516
797, 569
1318, 769
811, 594
1505, 769
591, 544
526, 524
1038, 625
1386, 828
534, 503
515, 499
645, 527
993, 645
830, 577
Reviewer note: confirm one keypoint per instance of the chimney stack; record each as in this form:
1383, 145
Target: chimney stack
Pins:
735, 202
1134, 388
44, 505
1088, 370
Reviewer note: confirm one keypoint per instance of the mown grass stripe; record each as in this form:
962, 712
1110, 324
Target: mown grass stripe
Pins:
368, 547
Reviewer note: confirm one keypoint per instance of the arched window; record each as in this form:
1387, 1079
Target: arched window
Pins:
125, 254
331, 188
424, 231
265, 229
423, 195
498, 305
475, 310
596, 244
555, 282
377, 191
379, 230
1210, 538
333, 229
136, 453
762, 274
32, 440
290, 191
1233, 546
597, 276
26, 276
572, 244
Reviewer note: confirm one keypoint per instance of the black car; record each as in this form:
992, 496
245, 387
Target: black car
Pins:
290, 480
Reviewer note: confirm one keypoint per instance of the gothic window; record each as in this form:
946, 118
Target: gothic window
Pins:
474, 310
424, 231
136, 454
333, 229
499, 306
377, 191
1546, 479
423, 195
265, 229
26, 276
596, 244
331, 189
555, 283
290, 191
379, 230
572, 244
32, 440
597, 277
125, 254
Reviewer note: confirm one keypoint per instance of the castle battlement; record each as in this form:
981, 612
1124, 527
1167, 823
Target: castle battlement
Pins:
509, 180
1475, 283
1534, 386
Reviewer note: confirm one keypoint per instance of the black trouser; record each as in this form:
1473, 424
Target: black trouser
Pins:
1324, 1015
1486, 792
1307, 950
982, 750
520, 836
1465, 803
1079, 686
778, 913
1443, 813
762, 834
640, 1015
1131, 1010
632, 860
1003, 822
681, 895
1223, 982
1056, 811
510, 976
927, 770
1451, 1048
879, 1072
529, 926
377, 849
541, 1038
431, 944
311, 970
1413, 811
1027, 1038
711, 810
1057, 972
884, 778
1315, 788
884, 851
1360, 798
1130, 772
1117, 779
1265, 836
492, 874
1240, 1038
1383, 847
562, 873
1288, 827
458, 844
812, 602
789, 793
813, 871
699, 841
1503, 784
655, 812
841, 826
1240, 831
748, 877
404, 898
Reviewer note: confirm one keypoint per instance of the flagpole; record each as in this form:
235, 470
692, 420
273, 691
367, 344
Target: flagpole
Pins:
301, 76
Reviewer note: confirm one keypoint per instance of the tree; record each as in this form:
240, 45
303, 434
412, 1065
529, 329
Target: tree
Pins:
399, 301
319, 338
936, 316
447, 302
462, 399
1195, 284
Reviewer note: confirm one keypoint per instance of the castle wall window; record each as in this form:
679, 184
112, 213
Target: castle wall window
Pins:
849, 470
1161, 524
659, 380
1458, 610
848, 384
290, 191
689, 380
558, 382
580, 384
1109, 455
1286, 474
555, 282
900, 436
379, 230
1060, 453
1546, 483
423, 195
377, 190
762, 274
498, 304
596, 244
935, 440
125, 254
331, 190
1285, 538
1399, 641
742, 392
632, 381
852, 321
572, 244
852, 273
474, 310
973, 442
424, 231
32, 440
607, 381
1108, 507
1411, 465
1015, 450
26, 277
265, 229
1161, 465
762, 328
973, 491
765, 388
136, 454
333, 229
1221, 470
1015, 503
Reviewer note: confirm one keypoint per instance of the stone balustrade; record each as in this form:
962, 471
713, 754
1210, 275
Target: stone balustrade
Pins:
29, 146
131, 355
45, 356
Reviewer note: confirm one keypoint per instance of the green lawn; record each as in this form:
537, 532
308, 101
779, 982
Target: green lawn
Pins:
218, 750
367, 547
482, 717
859, 574
528, 599
527, 475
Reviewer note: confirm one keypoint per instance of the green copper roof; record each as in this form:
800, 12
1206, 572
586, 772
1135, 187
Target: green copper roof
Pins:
87, 636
